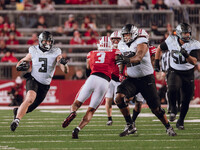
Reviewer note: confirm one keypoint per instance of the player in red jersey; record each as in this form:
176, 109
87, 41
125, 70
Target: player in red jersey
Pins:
101, 63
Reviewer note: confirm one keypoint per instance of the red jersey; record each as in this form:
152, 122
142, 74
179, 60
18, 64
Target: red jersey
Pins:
102, 61
152, 50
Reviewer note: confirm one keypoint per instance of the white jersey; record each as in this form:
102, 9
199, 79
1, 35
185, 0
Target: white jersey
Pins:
141, 69
177, 61
43, 63
165, 61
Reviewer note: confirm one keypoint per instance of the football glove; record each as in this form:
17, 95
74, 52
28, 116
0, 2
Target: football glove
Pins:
121, 77
120, 59
63, 61
23, 66
184, 52
157, 65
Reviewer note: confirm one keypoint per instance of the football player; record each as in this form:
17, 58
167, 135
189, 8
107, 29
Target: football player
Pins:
44, 58
115, 37
140, 78
183, 58
101, 62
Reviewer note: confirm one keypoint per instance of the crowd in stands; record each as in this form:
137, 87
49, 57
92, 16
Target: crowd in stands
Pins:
71, 27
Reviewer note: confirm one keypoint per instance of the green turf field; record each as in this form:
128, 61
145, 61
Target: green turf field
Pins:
42, 129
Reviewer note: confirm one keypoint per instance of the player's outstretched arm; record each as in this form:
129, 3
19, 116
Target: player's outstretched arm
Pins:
63, 64
157, 59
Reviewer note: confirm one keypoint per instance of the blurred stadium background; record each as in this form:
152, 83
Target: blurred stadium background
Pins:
77, 26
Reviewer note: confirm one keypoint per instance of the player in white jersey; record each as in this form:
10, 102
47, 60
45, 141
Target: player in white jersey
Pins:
44, 58
135, 55
115, 37
183, 58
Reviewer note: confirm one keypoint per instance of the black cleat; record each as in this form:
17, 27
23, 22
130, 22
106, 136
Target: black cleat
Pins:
14, 125
172, 117
75, 133
15, 112
170, 131
180, 125
129, 129
67, 121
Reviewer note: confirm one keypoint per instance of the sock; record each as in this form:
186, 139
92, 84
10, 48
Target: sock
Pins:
135, 114
17, 119
109, 118
78, 128
128, 119
167, 125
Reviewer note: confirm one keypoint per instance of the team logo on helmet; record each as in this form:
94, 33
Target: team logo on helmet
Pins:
104, 43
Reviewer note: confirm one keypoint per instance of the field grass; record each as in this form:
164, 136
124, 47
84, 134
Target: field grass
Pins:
42, 129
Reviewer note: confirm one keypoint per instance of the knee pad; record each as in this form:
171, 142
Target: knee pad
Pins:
159, 113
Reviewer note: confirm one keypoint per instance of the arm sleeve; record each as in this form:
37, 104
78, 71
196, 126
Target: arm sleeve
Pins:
195, 53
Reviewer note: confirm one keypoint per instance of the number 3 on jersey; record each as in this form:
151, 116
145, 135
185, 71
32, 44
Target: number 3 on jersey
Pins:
101, 57
43, 67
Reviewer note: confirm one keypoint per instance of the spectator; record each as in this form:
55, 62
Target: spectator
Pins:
87, 22
41, 23
1, 22
44, 6
75, 28
28, 5
92, 40
12, 40
76, 40
14, 30
108, 31
154, 30
59, 31
69, 23
17, 92
160, 5
173, 3
141, 5
124, 3
33, 40
2, 5
3, 47
187, 1
89, 32
6, 30
79, 74
74, 2
8, 57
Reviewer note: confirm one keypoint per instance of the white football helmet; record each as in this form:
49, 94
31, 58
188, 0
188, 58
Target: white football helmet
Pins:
129, 29
104, 43
115, 35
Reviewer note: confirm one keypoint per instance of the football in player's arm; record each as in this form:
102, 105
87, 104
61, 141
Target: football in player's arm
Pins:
44, 58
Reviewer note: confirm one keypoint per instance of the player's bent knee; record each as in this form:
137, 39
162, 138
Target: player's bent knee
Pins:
159, 112
122, 105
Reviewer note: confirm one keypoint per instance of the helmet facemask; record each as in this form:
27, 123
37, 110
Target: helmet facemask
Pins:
129, 33
46, 40
182, 31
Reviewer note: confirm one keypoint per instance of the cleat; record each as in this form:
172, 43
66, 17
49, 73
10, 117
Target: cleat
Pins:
67, 121
15, 112
129, 129
75, 133
172, 117
180, 125
109, 123
170, 131
14, 125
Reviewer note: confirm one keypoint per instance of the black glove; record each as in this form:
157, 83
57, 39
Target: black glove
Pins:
63, 61
23, 66
120, 59
157, 65
184, 52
